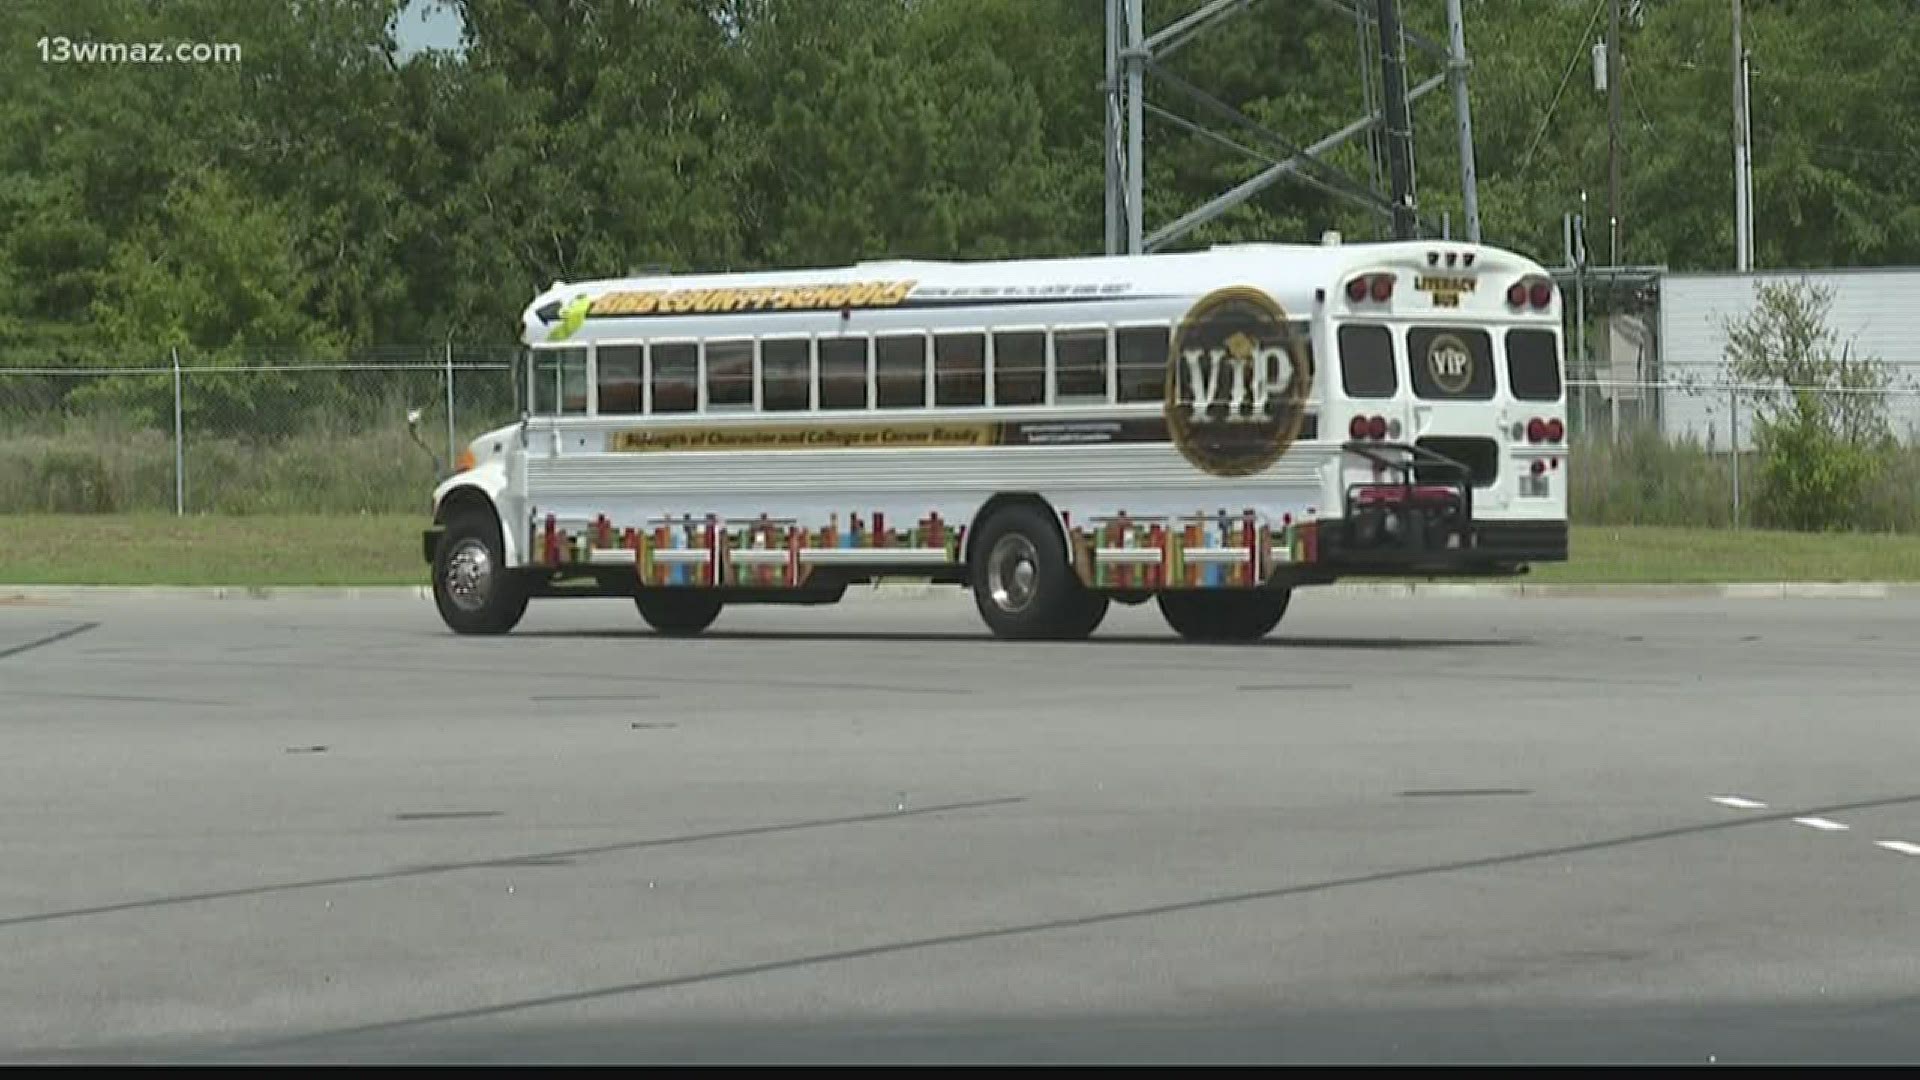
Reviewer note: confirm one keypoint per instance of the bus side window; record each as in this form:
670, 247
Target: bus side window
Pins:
900, 371
960, 369
619, 378
1367, 369
1080, 365
729, 375
1020, 368
1142, 362
784, 375
676, 374
843, 373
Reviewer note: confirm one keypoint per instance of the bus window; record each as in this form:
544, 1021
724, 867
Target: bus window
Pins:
843, 373
1020, 368
729, 374
1449, 364
559, 381
1366, 362
1141, 356
1080, 365
960, 369
783, 375
900, 371
1533, 365
676, 374
619, 378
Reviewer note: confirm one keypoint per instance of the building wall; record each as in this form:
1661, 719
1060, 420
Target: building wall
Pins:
1877, 310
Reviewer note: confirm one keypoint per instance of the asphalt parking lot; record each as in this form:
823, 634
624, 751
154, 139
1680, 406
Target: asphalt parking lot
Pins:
1397, 830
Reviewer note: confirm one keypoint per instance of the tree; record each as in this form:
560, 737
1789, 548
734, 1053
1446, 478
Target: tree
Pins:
1820, 419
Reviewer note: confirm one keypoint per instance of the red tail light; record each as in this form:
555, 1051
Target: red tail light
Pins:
1377, 427
1556, 430
1539, 466
1357, 428
1517, 294
1382, 288
1357, 289
1541, 294
1536, 430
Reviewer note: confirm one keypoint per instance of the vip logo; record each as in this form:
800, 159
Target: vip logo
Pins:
1450, 362
1237, 383
1254, 370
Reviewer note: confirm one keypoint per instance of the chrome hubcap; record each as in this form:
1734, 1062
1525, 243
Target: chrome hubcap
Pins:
1012, 571
469, 575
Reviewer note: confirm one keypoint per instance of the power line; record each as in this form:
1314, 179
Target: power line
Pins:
1578, 51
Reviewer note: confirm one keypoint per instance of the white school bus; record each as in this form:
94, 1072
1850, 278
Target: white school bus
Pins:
1205, 430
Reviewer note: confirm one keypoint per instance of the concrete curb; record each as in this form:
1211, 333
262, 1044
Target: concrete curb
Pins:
905, 590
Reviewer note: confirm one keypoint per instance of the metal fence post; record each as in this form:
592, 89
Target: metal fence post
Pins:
179, 444
452, 449
1733, 420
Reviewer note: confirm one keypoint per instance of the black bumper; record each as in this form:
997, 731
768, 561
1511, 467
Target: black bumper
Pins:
1491, 548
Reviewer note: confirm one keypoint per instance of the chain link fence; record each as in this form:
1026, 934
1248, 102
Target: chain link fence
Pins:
269, 434
291, 434
1686, 451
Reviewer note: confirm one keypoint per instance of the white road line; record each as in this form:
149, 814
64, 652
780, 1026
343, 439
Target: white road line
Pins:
1739, 803
1822, 824
1900, 846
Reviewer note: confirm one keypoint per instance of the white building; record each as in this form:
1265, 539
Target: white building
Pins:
1876, 311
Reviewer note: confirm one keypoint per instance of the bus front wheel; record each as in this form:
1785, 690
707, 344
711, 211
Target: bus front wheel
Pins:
1022, 583
1224, 615
472, 586
677, 612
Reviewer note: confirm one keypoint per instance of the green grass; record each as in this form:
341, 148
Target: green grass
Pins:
384, 549
159, 549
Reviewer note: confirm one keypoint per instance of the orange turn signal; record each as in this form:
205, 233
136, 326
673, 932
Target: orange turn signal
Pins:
465, 460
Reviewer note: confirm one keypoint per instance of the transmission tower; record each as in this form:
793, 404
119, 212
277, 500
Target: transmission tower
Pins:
1133, 55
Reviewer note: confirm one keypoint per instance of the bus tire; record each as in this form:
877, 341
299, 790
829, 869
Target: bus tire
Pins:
472, 586
1225, 615
1022, 583
677, 612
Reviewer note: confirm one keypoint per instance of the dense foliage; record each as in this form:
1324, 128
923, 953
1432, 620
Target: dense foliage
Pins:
325, 192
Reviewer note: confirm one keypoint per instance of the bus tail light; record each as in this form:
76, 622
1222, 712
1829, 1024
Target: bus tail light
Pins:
1536, 293
1556, 431
1536, 430
1378, 287
1369, 427
1538, 466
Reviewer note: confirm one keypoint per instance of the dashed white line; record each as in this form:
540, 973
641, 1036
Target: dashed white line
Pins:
1739, 803
1822, 824
1900, 846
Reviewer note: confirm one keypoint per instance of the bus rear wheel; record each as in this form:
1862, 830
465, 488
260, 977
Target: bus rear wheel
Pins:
1022, 583
1225, 616
677, 612
472, 586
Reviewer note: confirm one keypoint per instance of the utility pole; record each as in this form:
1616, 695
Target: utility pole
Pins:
1742, 213
1393, 85
1613, 133
1457, 65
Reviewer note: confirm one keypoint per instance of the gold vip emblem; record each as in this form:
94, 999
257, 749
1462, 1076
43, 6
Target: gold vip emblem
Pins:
1238, 380
1450, 363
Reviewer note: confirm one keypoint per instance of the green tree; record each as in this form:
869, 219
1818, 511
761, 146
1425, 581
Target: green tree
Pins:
1820, 420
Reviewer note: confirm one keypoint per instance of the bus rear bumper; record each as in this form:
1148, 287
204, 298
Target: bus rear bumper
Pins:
1489, 549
